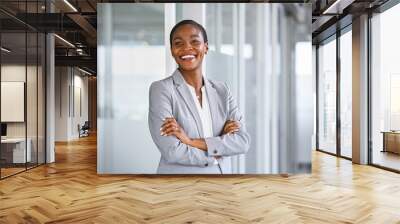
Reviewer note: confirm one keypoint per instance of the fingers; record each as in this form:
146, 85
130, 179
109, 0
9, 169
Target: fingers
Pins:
234, 124
169, 127
230, 123
170, 132
232, 130
168, 120
231, 127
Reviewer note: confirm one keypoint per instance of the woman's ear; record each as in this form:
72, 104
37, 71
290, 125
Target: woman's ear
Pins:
206, 44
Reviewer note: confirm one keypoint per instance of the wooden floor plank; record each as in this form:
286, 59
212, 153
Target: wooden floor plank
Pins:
70, 191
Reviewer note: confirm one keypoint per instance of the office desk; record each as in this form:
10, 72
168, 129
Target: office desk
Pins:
13, 150
391, 141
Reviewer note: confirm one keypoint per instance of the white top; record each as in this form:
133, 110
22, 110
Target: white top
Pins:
204, 112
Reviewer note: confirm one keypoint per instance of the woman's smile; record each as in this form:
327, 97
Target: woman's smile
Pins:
187, 57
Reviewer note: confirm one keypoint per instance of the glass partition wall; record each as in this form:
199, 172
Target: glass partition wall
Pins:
334, 105
22, 99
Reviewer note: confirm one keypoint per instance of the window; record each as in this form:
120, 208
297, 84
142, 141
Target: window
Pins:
385, 87
327, 97
345, 94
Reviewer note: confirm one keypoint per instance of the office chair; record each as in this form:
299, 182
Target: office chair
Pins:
84, 130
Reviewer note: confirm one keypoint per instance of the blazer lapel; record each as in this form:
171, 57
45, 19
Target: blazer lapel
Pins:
187, 97
212, 97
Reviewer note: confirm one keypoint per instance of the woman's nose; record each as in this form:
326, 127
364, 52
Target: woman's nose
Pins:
187, 46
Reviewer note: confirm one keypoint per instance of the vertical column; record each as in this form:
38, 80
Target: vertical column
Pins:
241, 28
196, 12
50, 99
285, 96
263, 54
315, 92
50, 92
338, 96
360, 90
275, 71
104, 81
169, 22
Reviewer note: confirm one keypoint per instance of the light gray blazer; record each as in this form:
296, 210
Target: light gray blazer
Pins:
170, 97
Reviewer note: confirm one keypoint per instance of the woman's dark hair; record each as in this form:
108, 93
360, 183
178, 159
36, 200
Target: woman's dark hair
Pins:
188, 22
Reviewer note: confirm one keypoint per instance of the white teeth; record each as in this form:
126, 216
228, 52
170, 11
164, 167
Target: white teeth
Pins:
187, 57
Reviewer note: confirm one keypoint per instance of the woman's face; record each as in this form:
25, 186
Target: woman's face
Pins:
188, 47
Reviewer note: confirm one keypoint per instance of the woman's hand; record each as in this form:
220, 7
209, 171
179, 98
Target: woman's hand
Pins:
171, 127
230, 127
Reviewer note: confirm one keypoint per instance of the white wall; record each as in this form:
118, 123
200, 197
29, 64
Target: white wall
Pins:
69, 82
33, 126
13, 73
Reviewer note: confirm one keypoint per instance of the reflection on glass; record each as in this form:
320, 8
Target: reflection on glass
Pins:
304, 107
220, 59
327, 97
130, 59
254, 72
346, 94
386, 89
13, 87
41, 79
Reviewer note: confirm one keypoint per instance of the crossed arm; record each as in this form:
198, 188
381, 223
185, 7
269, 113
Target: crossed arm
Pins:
176, 147
171, 127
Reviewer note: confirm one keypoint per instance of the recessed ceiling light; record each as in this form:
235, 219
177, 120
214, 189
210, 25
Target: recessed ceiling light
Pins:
338, 6
64, 40
5, 49
70, 5
84, 71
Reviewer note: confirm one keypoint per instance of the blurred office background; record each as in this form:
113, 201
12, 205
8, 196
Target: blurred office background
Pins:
263, 51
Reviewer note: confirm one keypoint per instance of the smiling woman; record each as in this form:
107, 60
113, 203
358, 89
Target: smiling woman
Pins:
218, 131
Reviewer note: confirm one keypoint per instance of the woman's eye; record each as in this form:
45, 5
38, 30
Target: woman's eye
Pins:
196, 42
178, 44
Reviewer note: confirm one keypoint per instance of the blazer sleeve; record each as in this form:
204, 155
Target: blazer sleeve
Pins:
170, 147
230, 144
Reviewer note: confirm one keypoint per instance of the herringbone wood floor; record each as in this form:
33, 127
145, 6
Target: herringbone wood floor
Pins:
70, 191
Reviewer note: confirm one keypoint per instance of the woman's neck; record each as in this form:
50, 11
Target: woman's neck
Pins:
193, 78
